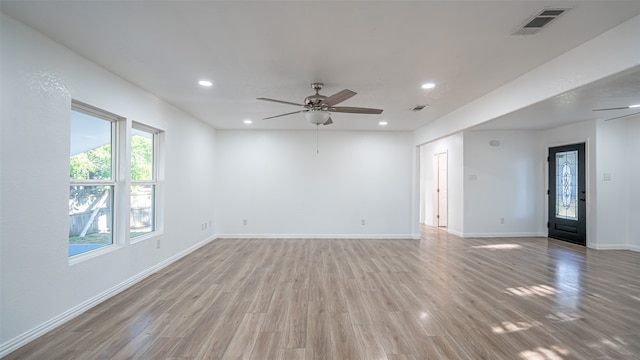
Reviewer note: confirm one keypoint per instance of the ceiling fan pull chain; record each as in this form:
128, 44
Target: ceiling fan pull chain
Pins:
317, 136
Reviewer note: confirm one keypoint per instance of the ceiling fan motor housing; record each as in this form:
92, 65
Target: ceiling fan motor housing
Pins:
314, 100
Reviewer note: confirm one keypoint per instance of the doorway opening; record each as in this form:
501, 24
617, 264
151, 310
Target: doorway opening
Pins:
434, 187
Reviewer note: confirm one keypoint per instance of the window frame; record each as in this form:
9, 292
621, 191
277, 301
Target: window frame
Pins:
155, 133
115, 122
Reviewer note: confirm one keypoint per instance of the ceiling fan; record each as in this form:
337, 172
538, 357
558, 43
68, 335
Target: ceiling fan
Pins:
621, 108
318, 108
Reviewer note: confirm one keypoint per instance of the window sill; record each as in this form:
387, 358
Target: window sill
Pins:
144, 237
92, 254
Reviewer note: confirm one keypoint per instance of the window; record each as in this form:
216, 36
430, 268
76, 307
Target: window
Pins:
143, 180
106, 187
92, 179
567, 184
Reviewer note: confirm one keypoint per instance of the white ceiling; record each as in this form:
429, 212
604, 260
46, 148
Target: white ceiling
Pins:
383, 51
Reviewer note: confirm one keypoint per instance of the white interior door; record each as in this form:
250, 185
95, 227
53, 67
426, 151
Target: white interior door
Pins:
441, 190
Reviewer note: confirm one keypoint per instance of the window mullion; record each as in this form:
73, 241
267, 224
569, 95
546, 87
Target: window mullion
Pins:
91, 183
139, 182
124, 181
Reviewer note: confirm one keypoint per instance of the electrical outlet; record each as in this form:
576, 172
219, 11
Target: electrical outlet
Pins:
363, 222
158, 244
244, 222
501, 220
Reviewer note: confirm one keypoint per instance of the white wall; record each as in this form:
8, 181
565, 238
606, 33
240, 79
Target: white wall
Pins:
39, 286
612, 223
277, 182
633, 165
453, 146
503, 182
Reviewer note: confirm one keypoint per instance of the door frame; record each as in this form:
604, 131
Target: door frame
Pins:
590, 234
436, 187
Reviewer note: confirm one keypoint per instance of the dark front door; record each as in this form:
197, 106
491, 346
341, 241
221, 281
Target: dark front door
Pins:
567, 194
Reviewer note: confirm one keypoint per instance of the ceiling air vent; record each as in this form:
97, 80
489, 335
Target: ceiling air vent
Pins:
538, 21
419, 107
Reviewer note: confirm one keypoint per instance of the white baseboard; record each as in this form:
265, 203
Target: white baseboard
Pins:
504, 235
616, 247
23, 339
453, 232
316, 236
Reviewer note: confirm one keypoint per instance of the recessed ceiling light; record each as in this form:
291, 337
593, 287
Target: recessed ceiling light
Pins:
634, 106
205, 83
382, 123
428, 86
248, 122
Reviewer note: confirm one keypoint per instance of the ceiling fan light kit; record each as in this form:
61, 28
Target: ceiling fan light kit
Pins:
317, 117
318, 108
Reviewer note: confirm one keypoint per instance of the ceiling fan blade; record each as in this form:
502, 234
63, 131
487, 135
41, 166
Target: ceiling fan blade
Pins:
279, 101
328, 122
623, 116
295, 112
355, 110
614, 108
338, 97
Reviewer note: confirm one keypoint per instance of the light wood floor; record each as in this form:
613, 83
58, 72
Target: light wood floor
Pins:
436, 298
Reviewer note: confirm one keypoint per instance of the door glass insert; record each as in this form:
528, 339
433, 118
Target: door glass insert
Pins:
567, 185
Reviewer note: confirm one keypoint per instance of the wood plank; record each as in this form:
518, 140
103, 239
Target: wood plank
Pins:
241, 345
269, 345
